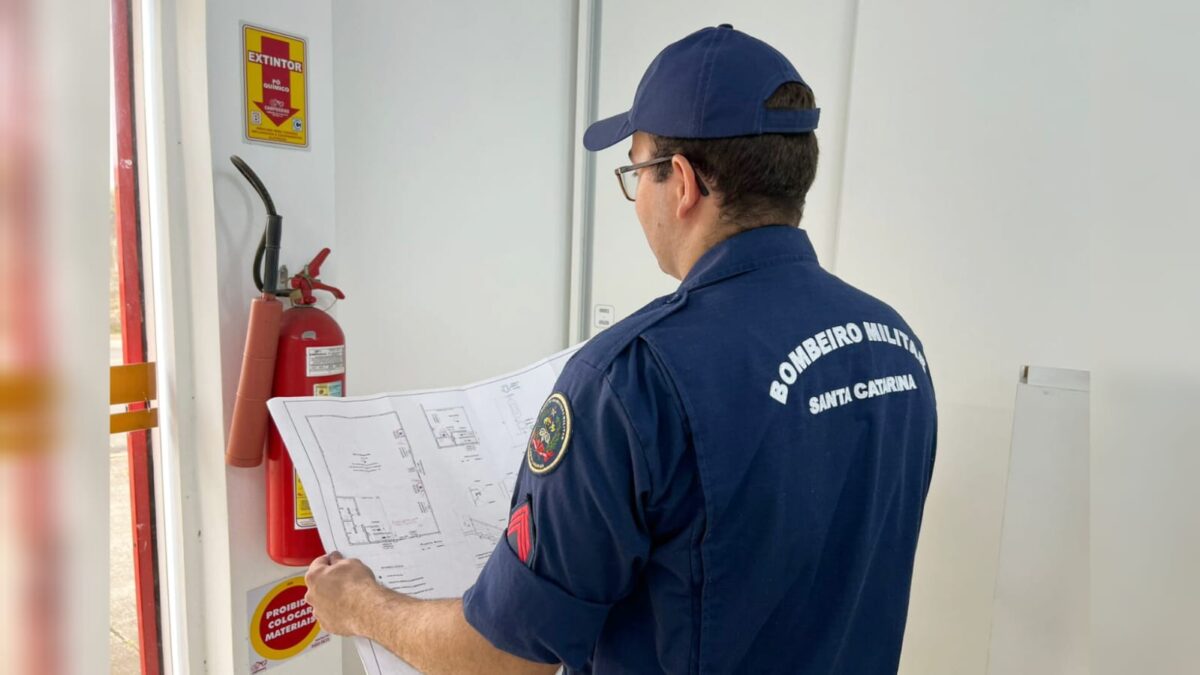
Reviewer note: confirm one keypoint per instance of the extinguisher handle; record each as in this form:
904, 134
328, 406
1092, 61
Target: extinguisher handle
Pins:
319, 286
314, 266
304, 283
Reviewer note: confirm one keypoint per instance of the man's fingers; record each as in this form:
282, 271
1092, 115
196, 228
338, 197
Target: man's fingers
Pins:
313, 568
334, 556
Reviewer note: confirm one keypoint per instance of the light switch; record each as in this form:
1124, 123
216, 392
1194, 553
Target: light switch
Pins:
603, 316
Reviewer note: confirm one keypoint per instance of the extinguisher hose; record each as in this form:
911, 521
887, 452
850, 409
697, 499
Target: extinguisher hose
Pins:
267, 255
269, 252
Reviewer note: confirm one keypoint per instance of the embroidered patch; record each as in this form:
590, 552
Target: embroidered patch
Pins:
551, 433
520, 532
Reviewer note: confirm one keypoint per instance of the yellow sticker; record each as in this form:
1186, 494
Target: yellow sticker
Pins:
328, 388
276, 75
304, 514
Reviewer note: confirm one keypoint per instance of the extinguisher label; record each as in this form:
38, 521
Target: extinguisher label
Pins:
304, 514
323, 361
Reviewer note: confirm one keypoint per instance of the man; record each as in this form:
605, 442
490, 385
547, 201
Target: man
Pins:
732, 478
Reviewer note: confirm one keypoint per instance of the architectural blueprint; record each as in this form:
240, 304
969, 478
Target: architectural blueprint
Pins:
417, 485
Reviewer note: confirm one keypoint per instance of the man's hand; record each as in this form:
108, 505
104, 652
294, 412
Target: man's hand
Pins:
343, 593
431, 635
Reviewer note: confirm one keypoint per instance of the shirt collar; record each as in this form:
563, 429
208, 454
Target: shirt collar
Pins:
750, 250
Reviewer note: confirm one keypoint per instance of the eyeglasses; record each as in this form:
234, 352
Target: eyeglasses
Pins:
627, 176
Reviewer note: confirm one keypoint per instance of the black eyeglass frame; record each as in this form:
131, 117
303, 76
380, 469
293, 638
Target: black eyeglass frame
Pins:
621, 170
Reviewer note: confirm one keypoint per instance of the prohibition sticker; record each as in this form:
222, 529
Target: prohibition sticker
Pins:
282, 624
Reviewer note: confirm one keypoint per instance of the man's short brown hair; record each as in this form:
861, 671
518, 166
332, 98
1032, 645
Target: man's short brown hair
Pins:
763, 179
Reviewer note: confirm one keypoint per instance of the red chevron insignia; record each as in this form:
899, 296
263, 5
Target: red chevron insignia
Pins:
520, 534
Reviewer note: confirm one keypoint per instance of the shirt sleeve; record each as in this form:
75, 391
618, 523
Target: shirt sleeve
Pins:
591, 517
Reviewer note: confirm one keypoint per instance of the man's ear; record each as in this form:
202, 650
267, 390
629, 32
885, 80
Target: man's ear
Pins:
687, 190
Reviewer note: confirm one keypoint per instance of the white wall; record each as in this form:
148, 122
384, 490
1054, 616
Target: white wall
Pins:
453, 187
960, 206
1146, 390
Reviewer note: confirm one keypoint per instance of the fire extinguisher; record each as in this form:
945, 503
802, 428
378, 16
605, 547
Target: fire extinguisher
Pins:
310, 361
297, 352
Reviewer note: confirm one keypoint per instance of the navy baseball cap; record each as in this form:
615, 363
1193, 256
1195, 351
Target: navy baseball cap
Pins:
713, 83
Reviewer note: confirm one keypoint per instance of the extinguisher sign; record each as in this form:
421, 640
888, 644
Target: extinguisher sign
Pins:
275, 70
282, 625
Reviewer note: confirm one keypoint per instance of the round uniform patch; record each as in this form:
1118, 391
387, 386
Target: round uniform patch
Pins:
551, 433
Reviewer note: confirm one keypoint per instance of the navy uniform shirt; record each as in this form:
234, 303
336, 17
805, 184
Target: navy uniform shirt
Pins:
729, 480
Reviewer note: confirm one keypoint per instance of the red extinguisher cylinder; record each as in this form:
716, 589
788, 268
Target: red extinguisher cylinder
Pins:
310, 361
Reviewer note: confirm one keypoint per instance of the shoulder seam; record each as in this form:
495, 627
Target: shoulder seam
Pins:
670, 379
620, 342
636, 434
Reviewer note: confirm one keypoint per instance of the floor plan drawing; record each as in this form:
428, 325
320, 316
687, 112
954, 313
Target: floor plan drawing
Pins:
484, 494
451, 427
423, 510
516, 419
364, 520
367, 446
400, 578
486, 531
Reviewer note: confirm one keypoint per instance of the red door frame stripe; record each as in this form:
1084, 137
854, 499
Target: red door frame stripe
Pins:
133, 329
